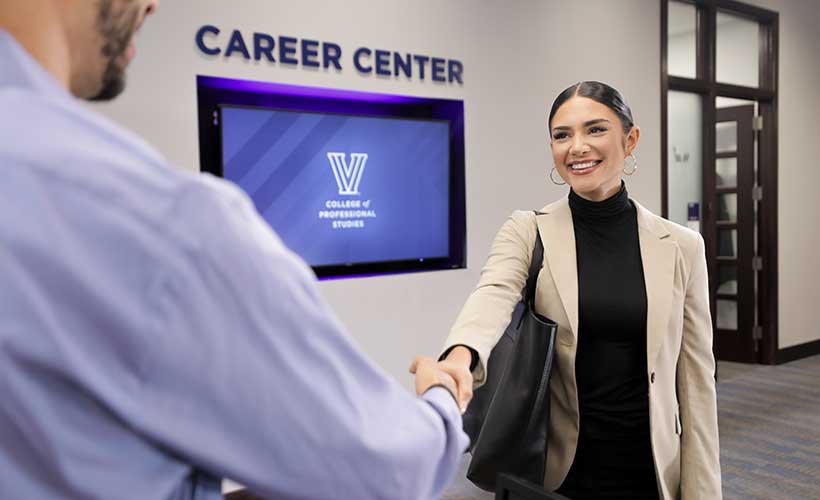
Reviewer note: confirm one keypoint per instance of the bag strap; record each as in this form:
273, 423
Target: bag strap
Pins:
536, 262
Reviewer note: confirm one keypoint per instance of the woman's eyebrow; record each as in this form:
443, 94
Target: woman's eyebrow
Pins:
586, 124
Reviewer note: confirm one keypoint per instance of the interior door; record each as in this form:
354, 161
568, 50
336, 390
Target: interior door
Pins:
733, 277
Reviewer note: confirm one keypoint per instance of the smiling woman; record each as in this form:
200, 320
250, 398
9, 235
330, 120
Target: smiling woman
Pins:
591, 140
633, 405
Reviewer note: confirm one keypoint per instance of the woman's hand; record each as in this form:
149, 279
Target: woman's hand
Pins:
457, 364
454, 375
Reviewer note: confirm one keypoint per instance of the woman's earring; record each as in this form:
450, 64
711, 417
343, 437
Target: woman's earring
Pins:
629, 170
553, 179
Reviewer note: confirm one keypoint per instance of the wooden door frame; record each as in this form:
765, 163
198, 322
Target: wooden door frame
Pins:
706, 86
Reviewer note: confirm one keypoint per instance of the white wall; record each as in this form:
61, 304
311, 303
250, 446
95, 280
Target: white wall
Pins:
517, 56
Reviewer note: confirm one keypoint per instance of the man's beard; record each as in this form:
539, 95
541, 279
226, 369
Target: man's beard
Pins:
116, 30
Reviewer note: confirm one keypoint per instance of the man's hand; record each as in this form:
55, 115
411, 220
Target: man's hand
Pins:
454, 376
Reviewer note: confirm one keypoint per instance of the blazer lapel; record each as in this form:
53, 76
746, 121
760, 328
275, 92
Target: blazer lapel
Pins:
555, 225
658, 254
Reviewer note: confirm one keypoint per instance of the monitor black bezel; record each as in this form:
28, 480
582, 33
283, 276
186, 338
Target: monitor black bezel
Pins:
213, 93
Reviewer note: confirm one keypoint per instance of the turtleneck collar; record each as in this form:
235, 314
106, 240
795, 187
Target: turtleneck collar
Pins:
599, 210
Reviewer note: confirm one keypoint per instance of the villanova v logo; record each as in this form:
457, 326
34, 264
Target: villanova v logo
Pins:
348, 175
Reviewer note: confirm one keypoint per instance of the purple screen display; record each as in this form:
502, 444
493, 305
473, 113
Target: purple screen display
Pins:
343, 189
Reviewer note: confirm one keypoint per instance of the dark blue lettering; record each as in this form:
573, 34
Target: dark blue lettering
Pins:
200, 39
331, 53
263, 44
437, 66
422, 60
287, 50
309, 53
382, 62
406, 65
454, 70
237, 44
356, 60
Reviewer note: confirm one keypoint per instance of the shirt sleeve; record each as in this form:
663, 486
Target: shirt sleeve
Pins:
700, 460
489, 308
252, 377
473, 355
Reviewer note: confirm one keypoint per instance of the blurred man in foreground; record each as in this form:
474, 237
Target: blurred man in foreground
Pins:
155, 334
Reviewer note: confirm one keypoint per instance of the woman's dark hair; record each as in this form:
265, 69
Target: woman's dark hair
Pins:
599, 92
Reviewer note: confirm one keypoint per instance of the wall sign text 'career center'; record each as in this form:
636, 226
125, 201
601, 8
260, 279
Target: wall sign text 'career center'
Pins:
212, 41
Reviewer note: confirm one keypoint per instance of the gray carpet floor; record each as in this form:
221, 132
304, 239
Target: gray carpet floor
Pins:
769, 419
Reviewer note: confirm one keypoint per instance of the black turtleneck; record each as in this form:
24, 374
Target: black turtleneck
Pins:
614, 454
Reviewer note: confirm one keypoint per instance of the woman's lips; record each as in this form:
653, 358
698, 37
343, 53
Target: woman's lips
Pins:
584, 171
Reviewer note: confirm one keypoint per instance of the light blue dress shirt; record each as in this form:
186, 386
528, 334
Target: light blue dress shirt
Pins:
156, 335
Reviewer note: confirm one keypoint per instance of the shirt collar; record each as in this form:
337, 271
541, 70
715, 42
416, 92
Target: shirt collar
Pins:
607, 209
20, 70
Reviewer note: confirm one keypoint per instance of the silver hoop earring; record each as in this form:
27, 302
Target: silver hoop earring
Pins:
633, 168
553, 179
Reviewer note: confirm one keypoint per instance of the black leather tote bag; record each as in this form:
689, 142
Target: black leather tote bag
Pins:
508, 417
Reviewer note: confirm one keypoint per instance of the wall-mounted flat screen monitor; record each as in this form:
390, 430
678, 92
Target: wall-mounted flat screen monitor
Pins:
352, 189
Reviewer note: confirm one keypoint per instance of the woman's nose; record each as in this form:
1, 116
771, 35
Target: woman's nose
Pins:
578, 146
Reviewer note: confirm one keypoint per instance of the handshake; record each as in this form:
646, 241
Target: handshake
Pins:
453, 373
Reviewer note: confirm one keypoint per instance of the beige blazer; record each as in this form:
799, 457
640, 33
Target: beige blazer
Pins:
680, 364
